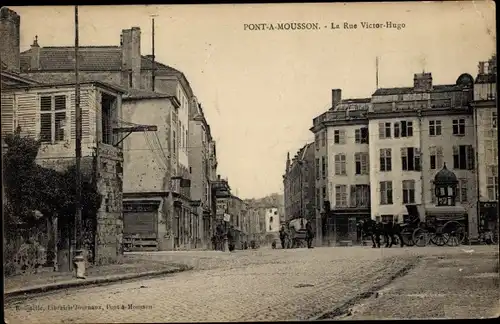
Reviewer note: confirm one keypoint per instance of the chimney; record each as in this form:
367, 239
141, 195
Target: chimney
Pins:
35, 55
422, 82
480, 68
10, 24
336, 97
131, 57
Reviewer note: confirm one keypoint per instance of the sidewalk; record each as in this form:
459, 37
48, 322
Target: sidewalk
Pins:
460, 286
128, 268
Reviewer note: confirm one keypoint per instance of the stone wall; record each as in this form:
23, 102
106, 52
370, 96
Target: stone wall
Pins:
109, 238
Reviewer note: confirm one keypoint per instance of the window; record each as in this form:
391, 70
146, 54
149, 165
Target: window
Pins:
406, 128
459, 127
492, 188
462, 190
361, 135
323, 166
397, 129
385, 160
494, 119
324, 193
408, 191
434, 127
436, 157
410, 159
271, 219
130, 84
360, 196
318, 197
174, 143
339, 136
433, 193
52, 118
463, 157
362, 161
323, 138
341, 195
316, 141
384, 130
340, 164
317, 169
386, 192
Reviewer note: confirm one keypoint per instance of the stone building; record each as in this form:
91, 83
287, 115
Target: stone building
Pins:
486, 130
47, 112
202, 155
348, 177
299, 181
123, 65
157, 209
415, 131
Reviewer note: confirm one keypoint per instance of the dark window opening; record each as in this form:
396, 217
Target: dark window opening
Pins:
107, 104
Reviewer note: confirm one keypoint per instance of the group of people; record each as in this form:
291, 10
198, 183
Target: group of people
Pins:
285, 237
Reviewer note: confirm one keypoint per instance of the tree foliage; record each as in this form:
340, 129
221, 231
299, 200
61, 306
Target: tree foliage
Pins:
30, 187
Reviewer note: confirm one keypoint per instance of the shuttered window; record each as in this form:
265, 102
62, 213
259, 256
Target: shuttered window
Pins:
52, 118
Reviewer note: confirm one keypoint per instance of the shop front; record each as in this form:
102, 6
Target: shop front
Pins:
140, 224
488, 217
345, 221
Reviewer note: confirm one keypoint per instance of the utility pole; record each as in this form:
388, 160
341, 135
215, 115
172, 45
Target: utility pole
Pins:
376, 72
153, 64
78, 152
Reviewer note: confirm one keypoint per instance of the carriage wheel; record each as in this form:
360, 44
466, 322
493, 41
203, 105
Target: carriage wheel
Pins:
439, 238
420, 237
455, 231
407, 236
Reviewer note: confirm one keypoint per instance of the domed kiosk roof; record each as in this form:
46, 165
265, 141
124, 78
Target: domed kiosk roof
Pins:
445, 176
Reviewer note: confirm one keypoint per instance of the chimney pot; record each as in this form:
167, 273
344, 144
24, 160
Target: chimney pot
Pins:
131, 57
336, 97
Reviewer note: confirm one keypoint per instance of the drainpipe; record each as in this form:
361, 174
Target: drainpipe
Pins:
420, 138
476, 167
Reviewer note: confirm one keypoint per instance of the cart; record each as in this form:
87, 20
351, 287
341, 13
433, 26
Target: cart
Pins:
439, 225
298, 232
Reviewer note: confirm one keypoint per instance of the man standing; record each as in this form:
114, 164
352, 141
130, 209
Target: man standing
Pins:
309, 234
283, 236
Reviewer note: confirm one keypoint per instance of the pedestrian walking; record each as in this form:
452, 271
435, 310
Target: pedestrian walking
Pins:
309, 235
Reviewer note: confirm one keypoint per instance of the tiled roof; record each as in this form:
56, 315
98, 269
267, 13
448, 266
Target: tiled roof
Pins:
405, 90
486, 78
92, 58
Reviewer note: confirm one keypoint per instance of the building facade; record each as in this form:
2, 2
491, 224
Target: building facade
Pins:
272, 220
201, 167
349, 174
486, 126
299, 185
46, 112
418, 129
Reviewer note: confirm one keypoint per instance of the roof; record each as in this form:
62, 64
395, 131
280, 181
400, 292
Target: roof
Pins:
54, 85
92, 58
16, 78
486, 78
405, 90
445, 176
356, 100
144, 94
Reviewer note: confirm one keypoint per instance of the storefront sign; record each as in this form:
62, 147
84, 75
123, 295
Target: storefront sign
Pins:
221, 206
227, 217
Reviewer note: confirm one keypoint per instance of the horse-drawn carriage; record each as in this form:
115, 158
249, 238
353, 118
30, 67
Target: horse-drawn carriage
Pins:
441, 225
296, 233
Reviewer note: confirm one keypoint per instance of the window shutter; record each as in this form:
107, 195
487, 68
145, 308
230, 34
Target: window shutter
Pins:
353, 196
27, 114
7, 114
470, 157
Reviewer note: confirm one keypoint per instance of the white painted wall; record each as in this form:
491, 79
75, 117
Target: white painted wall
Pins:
272, 220
349, 149
396, 175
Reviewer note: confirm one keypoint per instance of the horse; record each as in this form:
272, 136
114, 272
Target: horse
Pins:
375, 229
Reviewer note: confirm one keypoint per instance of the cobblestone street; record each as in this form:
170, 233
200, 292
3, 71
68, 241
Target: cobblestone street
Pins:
247, 285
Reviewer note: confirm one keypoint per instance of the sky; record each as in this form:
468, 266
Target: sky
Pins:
260, 90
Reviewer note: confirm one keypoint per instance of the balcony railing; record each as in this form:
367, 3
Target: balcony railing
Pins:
461, 102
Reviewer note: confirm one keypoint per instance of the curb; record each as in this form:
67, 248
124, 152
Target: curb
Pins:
23, 292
